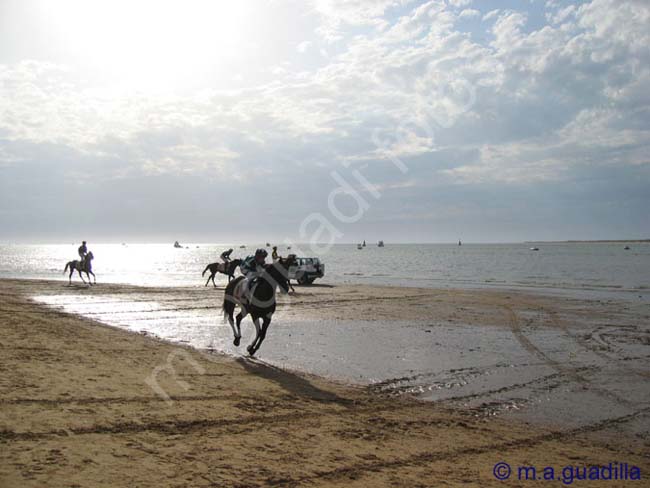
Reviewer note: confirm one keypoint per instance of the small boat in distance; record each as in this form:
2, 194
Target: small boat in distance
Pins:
460, 243
177, 245
364, 243
627, 248
359, 246
268, 245
534, 248
242, 247
380, 244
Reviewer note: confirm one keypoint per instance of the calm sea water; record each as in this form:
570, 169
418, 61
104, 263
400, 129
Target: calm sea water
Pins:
567, 267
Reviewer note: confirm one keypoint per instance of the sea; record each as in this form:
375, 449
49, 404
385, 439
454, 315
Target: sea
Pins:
574, 268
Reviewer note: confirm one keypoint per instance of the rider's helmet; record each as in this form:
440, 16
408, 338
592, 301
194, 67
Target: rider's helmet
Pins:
230, 250
275, 248
261, 252
83, 242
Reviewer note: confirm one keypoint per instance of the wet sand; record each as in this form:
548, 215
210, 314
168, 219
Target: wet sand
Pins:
83, 404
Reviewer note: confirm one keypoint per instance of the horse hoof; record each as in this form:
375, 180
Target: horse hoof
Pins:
250, 350
236, 341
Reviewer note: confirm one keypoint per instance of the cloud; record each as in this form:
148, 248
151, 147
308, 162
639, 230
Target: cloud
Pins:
512, 105
303, 46
491, 14
469, 13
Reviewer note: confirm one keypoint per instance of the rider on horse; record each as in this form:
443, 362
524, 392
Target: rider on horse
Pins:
83, 251
253, 267
225, 256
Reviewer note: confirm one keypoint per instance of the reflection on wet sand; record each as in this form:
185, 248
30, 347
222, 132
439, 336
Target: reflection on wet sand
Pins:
490, 353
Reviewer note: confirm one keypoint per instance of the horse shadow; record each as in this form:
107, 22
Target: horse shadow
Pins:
291, 382
79, 286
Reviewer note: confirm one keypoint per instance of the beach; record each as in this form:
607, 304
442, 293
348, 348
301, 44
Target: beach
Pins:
92, 397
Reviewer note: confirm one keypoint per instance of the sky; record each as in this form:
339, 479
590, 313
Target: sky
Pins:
324, 120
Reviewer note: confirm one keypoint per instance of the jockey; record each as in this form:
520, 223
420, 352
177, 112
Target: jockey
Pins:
225, 256
252, 266
83, 250
274, 255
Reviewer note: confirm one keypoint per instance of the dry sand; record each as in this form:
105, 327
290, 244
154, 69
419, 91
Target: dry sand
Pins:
76, 408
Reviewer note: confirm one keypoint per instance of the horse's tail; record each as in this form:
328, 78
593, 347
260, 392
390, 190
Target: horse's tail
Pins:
228, 307
229, 300
67, 265
206, 268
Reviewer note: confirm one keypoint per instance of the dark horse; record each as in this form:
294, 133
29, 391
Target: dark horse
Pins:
85, 266
286, 263
225, 268
259, 302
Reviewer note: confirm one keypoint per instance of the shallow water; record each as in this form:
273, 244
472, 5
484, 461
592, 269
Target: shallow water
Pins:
580, 269
546, 375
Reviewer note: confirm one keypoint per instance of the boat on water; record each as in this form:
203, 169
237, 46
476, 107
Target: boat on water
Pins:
359, 246
242, 247
627, 248
268, 245
534, 248
364, 243
460, 243
177, 245
380, 244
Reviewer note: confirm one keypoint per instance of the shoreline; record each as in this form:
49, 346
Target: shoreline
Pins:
614, 292
76, 411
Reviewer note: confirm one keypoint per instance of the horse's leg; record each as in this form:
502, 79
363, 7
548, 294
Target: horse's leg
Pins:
206, 283
265, 325
81, 276
215, 274
70, 276
239, 318
251, 349
235, 331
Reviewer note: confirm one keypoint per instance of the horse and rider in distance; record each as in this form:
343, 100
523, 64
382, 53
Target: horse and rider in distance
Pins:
82, 265
227, 267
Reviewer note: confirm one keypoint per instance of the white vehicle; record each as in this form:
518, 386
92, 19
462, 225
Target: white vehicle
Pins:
306, 270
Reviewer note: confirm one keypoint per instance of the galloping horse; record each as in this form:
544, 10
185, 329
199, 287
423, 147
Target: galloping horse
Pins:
86, 266
225, 268
259, 302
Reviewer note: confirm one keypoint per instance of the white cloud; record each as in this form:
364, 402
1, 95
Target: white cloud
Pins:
459, 3
469, 13
303, 46
519, 100
491, 14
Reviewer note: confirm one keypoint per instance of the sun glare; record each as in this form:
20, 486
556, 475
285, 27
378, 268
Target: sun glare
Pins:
150, 44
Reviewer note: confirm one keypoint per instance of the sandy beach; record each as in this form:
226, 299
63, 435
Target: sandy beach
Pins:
86, 404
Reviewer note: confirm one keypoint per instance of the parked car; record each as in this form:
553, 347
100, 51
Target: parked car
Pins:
306, 270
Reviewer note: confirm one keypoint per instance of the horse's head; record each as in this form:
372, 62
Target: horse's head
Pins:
90, 256
278, 274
